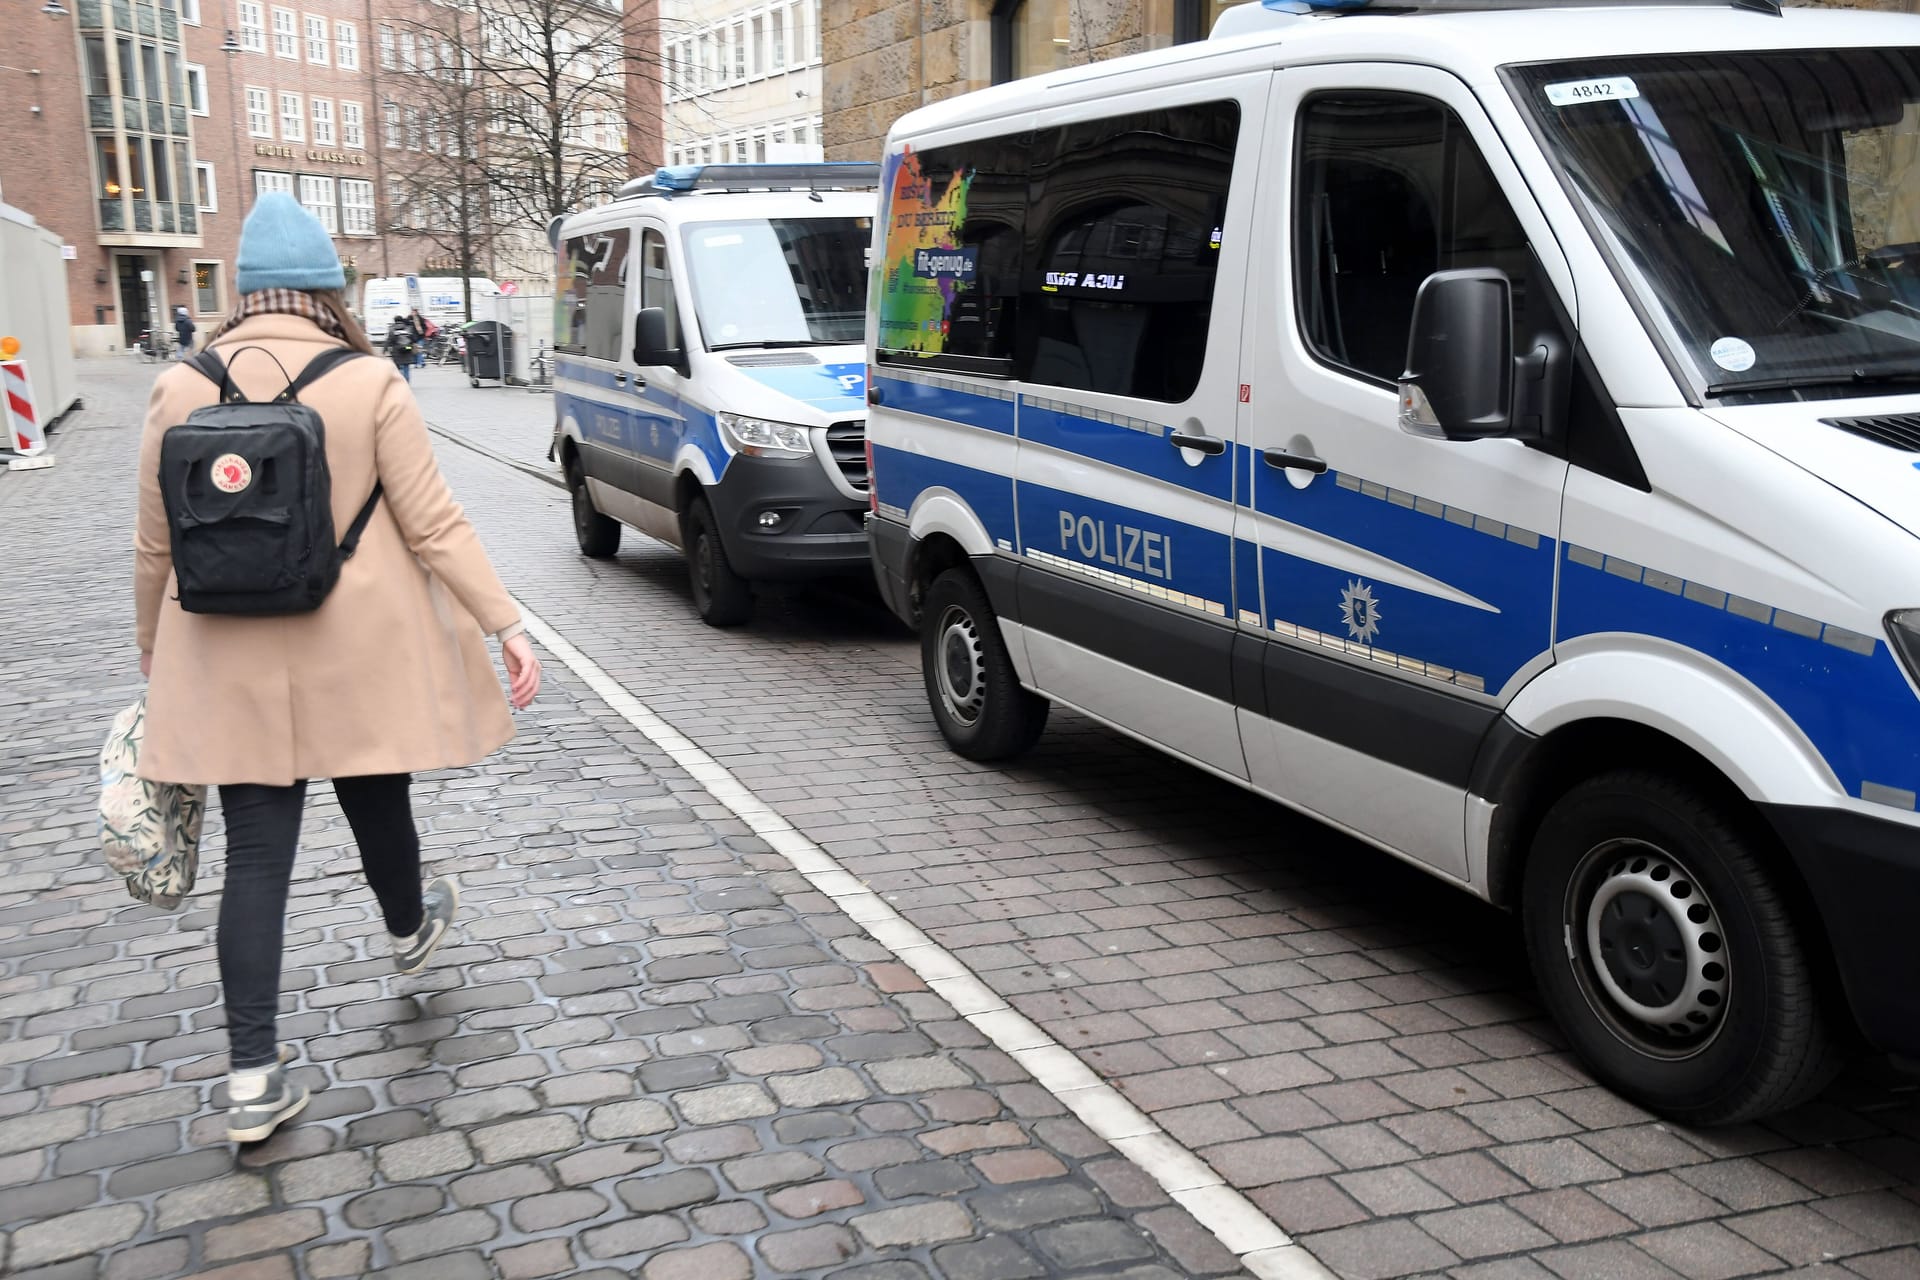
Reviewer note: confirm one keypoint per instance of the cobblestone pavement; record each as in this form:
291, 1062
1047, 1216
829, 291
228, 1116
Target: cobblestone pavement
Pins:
1350, 1043
649, 1051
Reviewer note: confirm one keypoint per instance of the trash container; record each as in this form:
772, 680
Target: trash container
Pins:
489, 352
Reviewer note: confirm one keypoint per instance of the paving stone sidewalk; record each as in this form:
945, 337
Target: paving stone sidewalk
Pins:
649, 1051
1354, 1045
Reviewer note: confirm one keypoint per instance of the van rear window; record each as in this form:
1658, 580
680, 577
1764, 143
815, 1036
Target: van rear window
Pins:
1082, 256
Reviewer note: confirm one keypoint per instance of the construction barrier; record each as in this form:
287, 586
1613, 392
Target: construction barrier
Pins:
25, 435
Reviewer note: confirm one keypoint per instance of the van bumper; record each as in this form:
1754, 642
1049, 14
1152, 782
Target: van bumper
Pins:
819, 532
1865, 876
890, 545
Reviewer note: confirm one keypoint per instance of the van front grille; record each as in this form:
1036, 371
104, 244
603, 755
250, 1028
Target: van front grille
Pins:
847, 442
1895, 430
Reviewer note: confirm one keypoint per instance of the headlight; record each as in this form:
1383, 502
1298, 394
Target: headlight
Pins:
1903, 633
760, 438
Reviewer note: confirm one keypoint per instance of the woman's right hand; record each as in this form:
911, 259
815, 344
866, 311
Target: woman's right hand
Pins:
523, 670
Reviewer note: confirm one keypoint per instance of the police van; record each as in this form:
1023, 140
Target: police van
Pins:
1489, 428
709, 383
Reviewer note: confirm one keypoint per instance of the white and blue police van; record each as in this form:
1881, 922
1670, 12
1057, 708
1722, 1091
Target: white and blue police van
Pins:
709, 381
1489, 428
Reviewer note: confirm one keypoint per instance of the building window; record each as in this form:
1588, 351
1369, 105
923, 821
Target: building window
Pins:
206, 196
286, 33
265, 181
777, 30
1030, 38
356, 206
353, 132
323, 135
259, 113
319, 48
797, 32
316, 197
190, 12
293, 121
739, 51
197, 88
206, 288
387, 60
413, 128
253, 27
346, 39
406, 51
390, 114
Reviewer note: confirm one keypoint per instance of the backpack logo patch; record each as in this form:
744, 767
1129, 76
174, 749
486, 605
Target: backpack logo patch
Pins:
231, 473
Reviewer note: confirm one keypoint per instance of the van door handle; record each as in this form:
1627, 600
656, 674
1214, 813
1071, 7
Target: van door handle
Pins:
1294, 461
1205, 444
621, 377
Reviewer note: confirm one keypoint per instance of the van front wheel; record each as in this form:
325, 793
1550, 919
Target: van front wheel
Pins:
722, 597
978, 702
1667, 954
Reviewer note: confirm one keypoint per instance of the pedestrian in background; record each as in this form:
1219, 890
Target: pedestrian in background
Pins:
183, 329
426, 328
403, 339
388, 677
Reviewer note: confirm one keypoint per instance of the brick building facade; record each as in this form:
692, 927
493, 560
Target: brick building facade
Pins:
150, 126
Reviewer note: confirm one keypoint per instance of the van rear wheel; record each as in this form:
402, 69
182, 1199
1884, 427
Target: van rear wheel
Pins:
978, 702
722, 597
598, 535
1667, 954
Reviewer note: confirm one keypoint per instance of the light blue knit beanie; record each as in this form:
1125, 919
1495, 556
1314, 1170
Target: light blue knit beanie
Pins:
282, 246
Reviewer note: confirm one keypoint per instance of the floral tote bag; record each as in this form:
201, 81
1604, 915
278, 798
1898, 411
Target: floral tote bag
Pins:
150, 831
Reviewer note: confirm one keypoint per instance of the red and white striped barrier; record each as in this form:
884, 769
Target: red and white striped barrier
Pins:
25, 435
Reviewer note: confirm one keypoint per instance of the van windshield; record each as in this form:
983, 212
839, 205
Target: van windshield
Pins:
1766, 206
779, 282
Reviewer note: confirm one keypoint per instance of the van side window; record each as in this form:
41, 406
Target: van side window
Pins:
1389, 189
656, 281
1123, 243
590, 307
949, 280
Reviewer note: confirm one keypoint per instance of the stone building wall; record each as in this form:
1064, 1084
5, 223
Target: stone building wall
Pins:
883, 58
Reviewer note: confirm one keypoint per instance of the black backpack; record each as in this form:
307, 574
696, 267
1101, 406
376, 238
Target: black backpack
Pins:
401, 335
250, 501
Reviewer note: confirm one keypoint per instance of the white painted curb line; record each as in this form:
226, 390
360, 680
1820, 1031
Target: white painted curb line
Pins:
1263, 1248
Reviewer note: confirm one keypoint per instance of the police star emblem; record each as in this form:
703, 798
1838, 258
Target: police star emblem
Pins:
1360, 611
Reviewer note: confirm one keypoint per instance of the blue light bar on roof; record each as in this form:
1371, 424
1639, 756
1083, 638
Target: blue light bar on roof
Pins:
777, 177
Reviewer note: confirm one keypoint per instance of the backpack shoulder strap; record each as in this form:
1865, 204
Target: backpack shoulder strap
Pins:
210, 366
317, 368
351, 543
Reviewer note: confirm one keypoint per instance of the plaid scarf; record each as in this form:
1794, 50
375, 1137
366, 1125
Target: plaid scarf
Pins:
280, 302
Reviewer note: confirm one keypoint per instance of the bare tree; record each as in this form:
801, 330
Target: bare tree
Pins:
437, 109
531, 103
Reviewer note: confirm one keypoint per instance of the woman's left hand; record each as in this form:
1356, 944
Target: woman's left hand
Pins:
523, 670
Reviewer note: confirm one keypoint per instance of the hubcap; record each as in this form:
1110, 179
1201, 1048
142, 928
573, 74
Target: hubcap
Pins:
961, 665
1654, 962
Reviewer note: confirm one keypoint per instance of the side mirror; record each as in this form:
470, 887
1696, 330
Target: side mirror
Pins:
652, 343
1459, 379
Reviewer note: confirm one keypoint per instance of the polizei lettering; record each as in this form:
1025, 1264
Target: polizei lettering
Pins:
1120, 545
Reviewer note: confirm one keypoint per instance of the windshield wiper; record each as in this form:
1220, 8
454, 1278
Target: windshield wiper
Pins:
1859, 378
774, 342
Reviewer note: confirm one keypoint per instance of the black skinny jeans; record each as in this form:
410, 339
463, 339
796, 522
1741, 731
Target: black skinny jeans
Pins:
263, 833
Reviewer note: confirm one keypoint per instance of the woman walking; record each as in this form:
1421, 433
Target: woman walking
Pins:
388, 677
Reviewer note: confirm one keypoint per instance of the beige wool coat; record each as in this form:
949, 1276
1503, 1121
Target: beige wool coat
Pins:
391, 674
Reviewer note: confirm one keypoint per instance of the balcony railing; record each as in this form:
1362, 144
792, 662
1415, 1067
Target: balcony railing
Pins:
169, 25
90, 14
122, 15
113, 215
100, 112
148, 25
177, 115
142, 216
189, 220
166, 218
156, 117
